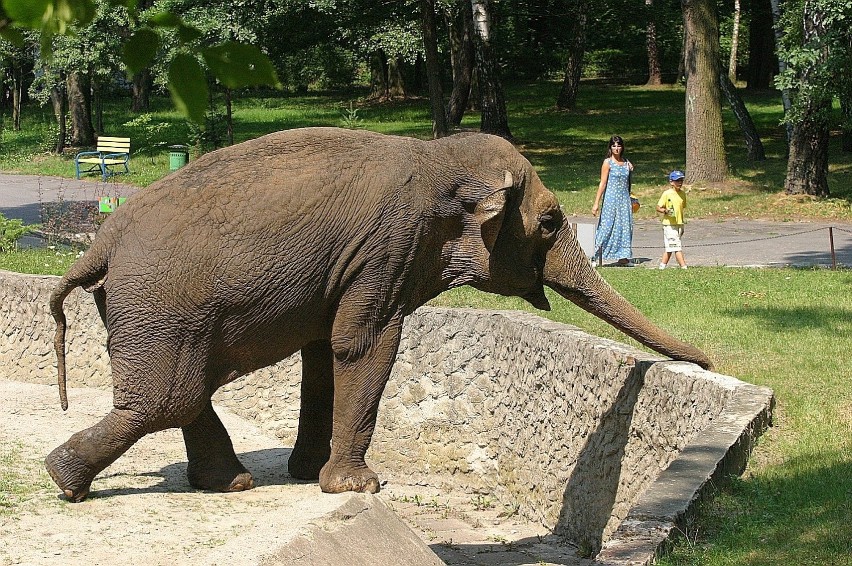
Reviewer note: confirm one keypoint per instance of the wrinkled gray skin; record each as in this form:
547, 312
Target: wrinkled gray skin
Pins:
320, 240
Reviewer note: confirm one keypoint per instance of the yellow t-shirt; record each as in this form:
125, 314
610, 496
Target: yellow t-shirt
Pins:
674, 201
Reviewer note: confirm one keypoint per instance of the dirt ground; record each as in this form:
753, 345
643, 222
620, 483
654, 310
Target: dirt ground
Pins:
143, 512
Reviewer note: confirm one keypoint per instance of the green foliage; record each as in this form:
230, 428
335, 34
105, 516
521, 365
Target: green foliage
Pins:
350, 118
11, 230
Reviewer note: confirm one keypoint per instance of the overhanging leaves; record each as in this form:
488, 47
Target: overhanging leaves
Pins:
238, 65
140, 49
188, 87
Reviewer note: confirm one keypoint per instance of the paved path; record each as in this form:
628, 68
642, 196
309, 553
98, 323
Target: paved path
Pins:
706, 242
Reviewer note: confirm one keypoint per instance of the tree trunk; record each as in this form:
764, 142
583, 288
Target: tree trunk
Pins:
17, 95
567, 99
705, 147
98, 106
807, 165
655, 74
494, 119
782, 65
433, 69
753, 144
762, 61
80, 110
396, 83
229, 115
378, 75
462, 57
141, 91
846, 112
58, 101
735, 39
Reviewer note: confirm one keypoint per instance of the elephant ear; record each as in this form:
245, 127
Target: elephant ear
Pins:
490, 211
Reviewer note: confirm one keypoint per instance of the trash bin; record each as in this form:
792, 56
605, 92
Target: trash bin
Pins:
178, 156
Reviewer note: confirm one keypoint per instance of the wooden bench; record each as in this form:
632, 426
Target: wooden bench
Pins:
111, 154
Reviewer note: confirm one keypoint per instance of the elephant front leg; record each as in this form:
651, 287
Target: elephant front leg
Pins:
213, 464
359, 380
313, 442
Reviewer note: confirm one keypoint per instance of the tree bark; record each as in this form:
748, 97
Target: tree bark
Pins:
17, 95
396, 83
229, 115
705, 143
807, 165
735, 39
567, 99
433, 69
462, 57
378, 75
58, 101
494, 119
753, 144
762, 61
846, 112
80, 109
141, 91
655, 74
782, 65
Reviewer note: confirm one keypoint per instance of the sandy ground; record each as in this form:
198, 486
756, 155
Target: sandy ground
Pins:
143, 512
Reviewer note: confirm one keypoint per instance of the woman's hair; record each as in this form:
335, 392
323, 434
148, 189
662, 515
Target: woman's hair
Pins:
612, 140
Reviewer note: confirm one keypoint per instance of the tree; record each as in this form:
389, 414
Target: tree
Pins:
753, 144
236, 65
815, 46
705, 144
735, 40
494, 119
655, 75
762, 60
433, 69
567, 98
462, 57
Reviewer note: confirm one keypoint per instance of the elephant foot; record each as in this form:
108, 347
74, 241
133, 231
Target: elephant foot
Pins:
306, 464
202, 475
70, 473
339, 479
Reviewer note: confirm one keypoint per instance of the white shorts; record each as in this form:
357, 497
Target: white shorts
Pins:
671, 237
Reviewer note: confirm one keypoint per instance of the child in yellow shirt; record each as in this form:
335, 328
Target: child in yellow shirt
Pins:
671, 205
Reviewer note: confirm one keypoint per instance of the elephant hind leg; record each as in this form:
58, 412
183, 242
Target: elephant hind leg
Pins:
313, 441
74, 464
213, 464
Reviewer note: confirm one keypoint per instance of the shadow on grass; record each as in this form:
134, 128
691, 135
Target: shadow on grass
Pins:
799, 517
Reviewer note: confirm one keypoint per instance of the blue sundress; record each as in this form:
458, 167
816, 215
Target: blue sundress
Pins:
614, 233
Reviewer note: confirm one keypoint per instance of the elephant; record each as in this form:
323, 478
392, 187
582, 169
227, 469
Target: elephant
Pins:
319, 240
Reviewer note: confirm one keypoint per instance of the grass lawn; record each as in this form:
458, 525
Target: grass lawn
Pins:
783, 328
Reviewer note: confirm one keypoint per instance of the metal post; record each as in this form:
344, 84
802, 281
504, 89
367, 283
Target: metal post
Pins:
833, 255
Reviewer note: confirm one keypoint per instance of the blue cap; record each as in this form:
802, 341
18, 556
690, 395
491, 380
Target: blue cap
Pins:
676, 175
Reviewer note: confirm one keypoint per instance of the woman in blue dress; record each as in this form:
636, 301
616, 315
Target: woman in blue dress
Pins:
614, 233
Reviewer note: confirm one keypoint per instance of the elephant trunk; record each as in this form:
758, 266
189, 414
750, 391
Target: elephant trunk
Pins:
568, 272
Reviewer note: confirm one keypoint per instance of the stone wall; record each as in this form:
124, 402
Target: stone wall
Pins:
569, 428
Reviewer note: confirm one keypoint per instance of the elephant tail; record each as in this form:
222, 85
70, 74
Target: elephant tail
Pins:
89, 272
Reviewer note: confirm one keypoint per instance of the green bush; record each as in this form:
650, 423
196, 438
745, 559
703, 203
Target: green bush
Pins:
11, 231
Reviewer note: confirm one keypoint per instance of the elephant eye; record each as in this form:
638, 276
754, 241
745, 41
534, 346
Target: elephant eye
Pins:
547, 223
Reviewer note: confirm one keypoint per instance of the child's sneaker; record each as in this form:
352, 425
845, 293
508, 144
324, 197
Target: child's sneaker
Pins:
662, 266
